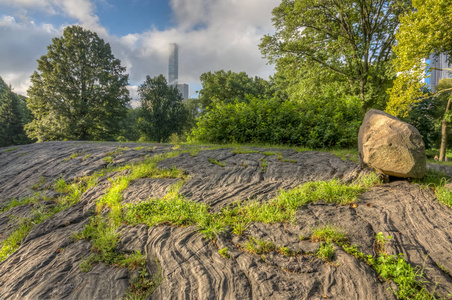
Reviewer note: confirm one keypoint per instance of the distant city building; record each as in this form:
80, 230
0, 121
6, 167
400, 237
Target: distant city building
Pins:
439, 63
183, 89
173, 72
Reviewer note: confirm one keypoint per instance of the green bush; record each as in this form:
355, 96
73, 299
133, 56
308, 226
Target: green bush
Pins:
315, 124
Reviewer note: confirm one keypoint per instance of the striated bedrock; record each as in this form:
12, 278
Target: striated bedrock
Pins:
179, 259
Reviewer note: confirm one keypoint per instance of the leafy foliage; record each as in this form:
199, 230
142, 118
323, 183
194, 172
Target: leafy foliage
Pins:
346, 42
11, 126
422, 32
80, 90
229, 87
315, 124
162, 110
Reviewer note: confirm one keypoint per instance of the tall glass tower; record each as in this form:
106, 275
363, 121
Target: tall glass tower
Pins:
173, 66
439, 64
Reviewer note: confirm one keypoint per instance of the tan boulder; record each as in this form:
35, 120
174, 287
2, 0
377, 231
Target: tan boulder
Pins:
391, 146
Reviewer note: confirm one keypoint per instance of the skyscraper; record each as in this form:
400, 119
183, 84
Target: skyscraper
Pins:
173, 70
438, 64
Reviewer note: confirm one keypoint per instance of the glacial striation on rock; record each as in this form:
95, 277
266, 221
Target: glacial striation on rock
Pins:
390, 145
180, 261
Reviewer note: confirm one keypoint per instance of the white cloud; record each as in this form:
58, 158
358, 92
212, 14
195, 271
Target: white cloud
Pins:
212, 35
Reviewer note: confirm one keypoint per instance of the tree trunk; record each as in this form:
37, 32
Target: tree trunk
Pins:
443, 148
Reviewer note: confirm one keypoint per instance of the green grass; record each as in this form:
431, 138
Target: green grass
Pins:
38, 184
244, 151
108, 159
216, 162
73, 155
224, 252
326, 251
409, 280
328, 233
10, 244
258, 246
37, 197
10, 149
263, 165
268, 153
281, 158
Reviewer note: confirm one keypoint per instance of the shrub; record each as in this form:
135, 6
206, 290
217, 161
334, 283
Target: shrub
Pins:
316, 124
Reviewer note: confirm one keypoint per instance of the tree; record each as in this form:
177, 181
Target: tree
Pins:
424, 31
162, 110
80, 90
349, 41
11, 127
229, 86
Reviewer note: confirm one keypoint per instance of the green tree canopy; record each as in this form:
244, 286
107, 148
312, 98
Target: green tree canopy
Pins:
162, 110
424, 31
346, 41
79, 91
229, 86
11, 126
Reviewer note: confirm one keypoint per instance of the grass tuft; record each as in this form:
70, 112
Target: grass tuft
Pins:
216, 162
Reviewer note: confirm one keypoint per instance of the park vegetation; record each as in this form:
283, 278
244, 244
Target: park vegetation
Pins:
334, 61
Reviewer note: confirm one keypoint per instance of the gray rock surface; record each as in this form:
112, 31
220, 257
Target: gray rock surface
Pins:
390, 145
46, 265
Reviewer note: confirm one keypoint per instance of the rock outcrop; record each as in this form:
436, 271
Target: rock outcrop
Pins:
391, 146
189, 266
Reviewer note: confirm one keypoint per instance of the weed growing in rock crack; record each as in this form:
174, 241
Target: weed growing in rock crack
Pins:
224, 252
216, 162
395, 268
244, 151
268, 153
380, 242
325, 251
329, 234
73, 155
108, 159
257, 246
10, 244
10, 149
141, 286
281, 158
38, 184
37, 197
138, 148
285, 251
263, 165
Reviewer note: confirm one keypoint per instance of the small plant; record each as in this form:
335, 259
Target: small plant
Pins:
301, 237
73, 155
257, 246
329, 234
380, 242
108, 159
281, 158
244, 151
239, 227
10, 149
86, 157
268, 153
285, 251
325, 251
216, 162
264, 164
224, 252
138, 148
38, 184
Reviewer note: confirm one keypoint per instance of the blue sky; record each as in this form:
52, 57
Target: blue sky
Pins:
212, 35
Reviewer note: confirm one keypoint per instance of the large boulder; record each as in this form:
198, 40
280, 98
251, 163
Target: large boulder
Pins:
391, 146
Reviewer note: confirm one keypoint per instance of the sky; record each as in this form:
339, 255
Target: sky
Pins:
211, 34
